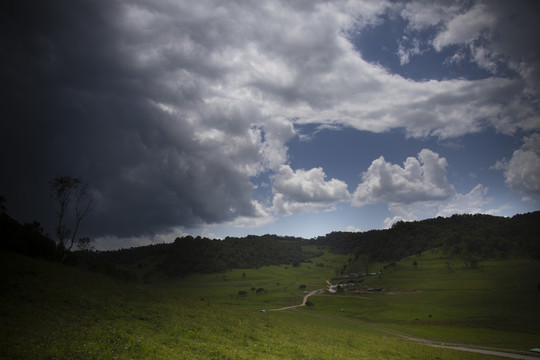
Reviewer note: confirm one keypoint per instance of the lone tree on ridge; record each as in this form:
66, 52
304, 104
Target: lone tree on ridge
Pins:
65, 190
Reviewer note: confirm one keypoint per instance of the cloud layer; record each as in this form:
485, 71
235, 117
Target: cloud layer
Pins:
172, 110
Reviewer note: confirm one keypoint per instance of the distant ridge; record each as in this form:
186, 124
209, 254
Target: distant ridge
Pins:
473, 237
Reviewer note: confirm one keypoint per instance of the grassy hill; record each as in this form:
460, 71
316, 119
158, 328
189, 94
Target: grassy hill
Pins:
470, 280
495, 303
49, 311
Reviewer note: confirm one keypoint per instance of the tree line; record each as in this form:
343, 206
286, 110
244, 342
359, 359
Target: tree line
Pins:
190, 254
472, 237
481, 236
25, 238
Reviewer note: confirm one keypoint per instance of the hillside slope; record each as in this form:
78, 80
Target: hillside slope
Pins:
440, 297
50, 311
482, 236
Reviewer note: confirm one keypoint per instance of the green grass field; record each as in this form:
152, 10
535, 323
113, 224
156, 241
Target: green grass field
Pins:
50, 311
496, 304
281, 283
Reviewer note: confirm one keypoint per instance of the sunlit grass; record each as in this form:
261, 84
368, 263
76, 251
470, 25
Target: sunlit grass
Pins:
57, 312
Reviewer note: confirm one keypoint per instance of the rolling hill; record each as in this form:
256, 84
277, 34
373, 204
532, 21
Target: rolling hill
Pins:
466, 280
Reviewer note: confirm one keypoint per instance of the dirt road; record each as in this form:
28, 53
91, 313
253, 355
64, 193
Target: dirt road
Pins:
303, 301
507, 353
487, 352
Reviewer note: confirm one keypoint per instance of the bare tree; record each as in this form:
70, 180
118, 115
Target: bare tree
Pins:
67, 190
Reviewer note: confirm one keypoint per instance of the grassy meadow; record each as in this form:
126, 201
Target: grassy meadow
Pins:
496, 303
49, 311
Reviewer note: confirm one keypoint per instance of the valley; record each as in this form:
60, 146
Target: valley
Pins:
430, 304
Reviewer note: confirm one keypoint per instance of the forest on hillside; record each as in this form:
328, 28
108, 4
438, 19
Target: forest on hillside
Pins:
188, 255
473, 237
481, 236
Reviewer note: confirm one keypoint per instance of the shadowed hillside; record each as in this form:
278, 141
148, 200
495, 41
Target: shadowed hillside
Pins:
482, 236
473, 237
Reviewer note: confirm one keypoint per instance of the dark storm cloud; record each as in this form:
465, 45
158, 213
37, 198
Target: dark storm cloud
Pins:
76, 102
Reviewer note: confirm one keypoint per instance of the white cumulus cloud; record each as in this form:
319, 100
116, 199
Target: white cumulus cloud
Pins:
417, 190
522, 171
303, 191
419, 179
472, 202
466, 27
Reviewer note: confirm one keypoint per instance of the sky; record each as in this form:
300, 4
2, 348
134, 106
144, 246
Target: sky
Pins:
229, 118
